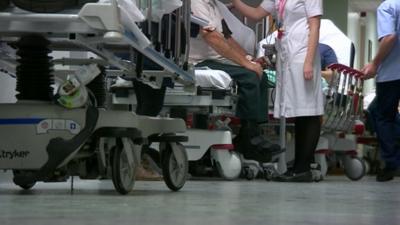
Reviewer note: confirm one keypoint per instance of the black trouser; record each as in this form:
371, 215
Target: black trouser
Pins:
388, 96
307, 132
149, 100
252, 104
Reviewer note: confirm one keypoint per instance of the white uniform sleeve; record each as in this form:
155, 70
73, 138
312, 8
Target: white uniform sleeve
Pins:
269, 6
313, 8
200, 9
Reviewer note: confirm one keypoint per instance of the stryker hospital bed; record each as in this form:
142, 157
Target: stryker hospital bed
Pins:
205, 107
46, 136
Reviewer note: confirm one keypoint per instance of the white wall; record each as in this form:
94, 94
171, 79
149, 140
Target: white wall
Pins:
354, 32
370, 35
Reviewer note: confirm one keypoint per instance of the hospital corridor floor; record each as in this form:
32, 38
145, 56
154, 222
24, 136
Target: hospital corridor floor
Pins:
207, 202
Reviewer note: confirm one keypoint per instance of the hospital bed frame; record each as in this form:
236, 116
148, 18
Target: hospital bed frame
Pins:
88, 142
343, 112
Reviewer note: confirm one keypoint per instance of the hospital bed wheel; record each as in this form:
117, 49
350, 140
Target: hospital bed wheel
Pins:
229, 167
175, 165
354, 168
249, 173
316, 171
367, 164
123, 174
25, 186
269, 173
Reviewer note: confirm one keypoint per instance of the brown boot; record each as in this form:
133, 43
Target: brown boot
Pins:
145, 171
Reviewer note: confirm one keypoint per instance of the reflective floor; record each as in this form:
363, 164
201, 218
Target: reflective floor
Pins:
334, 201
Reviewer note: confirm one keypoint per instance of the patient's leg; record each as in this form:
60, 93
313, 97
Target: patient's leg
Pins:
248, 87
149, 100
251, 104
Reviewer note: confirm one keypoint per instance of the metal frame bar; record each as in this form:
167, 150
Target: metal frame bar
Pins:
74, 30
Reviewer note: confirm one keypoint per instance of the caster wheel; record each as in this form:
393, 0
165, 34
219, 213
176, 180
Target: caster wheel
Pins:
367, 164
123, 172
269, 173
354, 168
317, 176
249, 174
228, 165
25, 186
175, 165
316, 171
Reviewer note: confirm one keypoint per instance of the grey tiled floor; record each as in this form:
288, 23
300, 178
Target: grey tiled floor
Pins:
334, 201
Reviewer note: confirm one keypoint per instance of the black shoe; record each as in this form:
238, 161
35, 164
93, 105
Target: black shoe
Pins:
252, 145
4, 4
49, 6
386, 174
290, 176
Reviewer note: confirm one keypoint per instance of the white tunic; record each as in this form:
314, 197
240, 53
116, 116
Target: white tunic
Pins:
296, 96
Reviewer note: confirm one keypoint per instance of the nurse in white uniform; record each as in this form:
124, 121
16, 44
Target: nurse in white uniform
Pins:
298, 91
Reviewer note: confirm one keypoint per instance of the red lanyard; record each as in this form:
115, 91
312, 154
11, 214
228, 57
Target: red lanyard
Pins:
281, 8
281, 11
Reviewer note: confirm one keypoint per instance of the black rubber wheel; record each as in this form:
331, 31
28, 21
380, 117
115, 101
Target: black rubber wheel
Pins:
123, 174
249, 174
354, 168
175, 166
269, 173
367, 163
25, 186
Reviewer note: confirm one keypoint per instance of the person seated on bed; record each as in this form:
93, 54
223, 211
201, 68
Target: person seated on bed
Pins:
215, 48
328, 57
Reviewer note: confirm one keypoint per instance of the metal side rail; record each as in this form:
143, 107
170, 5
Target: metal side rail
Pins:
92, 28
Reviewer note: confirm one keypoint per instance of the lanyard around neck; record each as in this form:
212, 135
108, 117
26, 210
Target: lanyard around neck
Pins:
281, 9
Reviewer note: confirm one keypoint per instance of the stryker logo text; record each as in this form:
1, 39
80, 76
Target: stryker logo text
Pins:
13, 154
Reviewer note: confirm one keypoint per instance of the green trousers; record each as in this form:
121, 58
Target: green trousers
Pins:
253, 96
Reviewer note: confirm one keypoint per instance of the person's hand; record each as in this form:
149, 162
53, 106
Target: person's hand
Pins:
230, 6
209, 28
262, 61
308, 71
255, 67
369, 71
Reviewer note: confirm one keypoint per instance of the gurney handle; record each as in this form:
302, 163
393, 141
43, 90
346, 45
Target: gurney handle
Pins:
345, 69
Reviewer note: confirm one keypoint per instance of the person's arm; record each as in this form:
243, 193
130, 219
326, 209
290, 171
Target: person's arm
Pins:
386, 20
222, 47
250, 12
327, 74
232, 42
314, 24
385, 46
